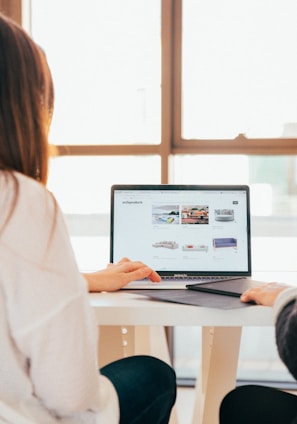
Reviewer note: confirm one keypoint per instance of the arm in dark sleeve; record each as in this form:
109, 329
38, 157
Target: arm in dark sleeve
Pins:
286, 336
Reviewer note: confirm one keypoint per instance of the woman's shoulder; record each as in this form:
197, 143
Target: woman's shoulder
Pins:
20, 186
29, 211
29, 186
28, 193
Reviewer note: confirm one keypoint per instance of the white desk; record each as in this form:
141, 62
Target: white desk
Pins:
274, 259
144, 321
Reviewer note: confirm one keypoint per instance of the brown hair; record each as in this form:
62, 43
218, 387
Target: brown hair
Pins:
26, 103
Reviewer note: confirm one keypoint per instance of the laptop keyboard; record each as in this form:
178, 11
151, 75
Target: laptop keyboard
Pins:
200, 279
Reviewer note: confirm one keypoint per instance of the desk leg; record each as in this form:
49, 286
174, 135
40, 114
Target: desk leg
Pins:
110, 346
117, 342
220, 350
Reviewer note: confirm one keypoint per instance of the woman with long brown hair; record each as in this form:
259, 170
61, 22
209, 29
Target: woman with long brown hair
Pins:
48, 352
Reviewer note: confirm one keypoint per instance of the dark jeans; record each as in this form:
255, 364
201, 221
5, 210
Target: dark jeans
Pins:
146, 388
258, 405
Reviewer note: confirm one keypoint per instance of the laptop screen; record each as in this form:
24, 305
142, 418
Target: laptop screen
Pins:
182, 229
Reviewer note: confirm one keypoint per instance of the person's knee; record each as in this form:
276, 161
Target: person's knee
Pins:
233, 404
160, 369
163, 375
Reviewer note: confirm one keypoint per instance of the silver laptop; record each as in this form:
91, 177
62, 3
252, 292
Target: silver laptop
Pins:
188, 233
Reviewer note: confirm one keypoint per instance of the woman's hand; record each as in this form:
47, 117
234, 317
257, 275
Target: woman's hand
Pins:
115, 276
264, 295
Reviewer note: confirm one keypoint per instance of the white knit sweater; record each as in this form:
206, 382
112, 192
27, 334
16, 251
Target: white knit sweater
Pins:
48, 348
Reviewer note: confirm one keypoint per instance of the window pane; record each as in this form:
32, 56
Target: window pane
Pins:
82, 184
82, 188
272, 180
258, 357
105, 58
239, 68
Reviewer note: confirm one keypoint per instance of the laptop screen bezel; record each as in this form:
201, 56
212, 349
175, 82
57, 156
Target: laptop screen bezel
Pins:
180, 273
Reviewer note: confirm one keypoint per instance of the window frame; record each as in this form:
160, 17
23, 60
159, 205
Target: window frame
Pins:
172, 142
238, 145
